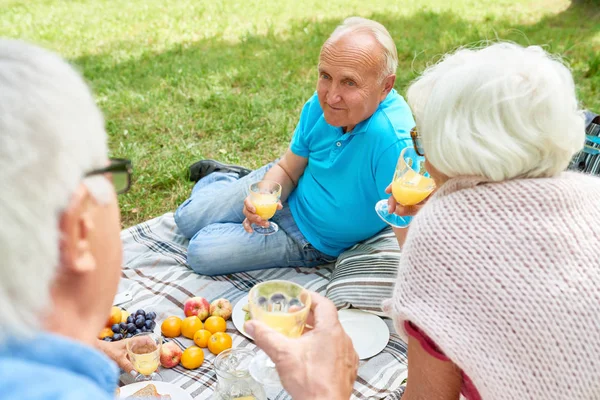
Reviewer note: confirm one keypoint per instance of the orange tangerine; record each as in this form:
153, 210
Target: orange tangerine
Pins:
105, 332
201, 338
215, 324
192, 357
190, 326
218, 342
171, 327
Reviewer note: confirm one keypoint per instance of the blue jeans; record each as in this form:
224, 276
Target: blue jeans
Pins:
212, 219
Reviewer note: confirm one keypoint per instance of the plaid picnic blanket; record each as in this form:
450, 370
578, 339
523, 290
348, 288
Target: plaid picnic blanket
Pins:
156, 274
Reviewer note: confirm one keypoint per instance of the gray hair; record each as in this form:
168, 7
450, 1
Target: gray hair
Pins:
379, 32
51, 133
500, 112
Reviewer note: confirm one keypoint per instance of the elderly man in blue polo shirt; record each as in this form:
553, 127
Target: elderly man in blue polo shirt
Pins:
340, 161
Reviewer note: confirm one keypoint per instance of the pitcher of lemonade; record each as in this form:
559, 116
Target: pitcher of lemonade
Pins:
410, 186
233, 379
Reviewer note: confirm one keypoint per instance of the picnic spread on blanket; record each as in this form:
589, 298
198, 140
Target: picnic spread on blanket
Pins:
202, 345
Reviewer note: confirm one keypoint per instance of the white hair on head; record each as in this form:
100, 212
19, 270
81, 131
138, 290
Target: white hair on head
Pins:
379, 32
500, 112
51, 134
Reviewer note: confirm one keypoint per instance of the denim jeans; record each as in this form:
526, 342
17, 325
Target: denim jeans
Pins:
212, 219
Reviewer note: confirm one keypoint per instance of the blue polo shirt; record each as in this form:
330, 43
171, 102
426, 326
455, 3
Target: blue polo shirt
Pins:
49, 367
347, 173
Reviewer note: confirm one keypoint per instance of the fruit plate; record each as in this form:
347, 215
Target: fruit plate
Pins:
163, 388
368, 332
238, 316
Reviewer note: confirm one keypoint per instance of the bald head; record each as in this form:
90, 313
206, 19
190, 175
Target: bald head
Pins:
358, 46
382, 45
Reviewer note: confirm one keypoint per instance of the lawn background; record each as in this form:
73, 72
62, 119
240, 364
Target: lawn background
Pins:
183, 80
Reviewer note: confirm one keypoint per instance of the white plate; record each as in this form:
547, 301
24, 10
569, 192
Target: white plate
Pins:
163, 388
368, 332
238, 316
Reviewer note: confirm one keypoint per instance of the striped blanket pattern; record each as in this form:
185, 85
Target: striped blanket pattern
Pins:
156, 274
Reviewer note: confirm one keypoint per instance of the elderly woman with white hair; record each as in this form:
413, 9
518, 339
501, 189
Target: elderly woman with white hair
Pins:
498, 288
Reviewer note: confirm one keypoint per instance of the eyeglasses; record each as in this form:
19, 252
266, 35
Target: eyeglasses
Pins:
120, 171
416, 139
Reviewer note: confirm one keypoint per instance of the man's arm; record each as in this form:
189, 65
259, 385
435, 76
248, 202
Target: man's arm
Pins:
287, 172
430, 378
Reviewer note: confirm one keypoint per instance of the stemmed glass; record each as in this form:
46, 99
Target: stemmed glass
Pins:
410, 186
283, 306
265, 197
144, 352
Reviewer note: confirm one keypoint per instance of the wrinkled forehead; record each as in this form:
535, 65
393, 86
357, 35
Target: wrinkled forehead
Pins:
356, 53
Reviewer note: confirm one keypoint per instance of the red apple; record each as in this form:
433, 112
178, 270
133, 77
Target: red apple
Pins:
170, 355
198, 306
221, 308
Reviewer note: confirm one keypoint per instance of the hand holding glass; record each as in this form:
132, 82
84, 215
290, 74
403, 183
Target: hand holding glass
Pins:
144, 352
410, 186
265, 196
284, 307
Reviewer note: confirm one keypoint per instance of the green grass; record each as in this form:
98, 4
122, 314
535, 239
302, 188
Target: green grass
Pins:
183, 80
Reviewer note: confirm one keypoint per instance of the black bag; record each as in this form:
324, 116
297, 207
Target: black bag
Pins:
588, 160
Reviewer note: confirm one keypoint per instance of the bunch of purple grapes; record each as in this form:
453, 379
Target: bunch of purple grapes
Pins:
136, 323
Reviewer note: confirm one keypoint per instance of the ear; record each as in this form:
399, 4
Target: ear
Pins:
75, 226
388, 85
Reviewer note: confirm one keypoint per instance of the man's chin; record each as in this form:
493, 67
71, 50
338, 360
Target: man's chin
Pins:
337, 122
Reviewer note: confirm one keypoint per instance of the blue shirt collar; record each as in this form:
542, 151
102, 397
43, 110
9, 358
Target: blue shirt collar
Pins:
67, 354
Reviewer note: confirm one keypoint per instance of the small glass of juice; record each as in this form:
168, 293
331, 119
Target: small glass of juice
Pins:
144, 353
265, 197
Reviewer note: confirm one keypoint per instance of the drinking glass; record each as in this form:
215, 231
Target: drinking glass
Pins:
265, 197
144, 353
284, 307
410, 186
233, 378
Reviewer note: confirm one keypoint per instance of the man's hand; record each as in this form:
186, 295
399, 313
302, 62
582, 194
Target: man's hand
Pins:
251, 216
117, 352
321, 364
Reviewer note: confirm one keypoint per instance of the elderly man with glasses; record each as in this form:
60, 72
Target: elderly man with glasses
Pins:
340, 160
59, 231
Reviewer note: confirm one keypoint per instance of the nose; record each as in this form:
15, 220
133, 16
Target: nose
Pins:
333, 94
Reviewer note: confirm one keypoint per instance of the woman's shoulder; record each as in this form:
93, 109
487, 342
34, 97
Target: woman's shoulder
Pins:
565, 186
474, 212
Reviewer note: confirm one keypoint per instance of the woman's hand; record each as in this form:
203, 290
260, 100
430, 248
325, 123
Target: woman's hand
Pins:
117, 352
399, 209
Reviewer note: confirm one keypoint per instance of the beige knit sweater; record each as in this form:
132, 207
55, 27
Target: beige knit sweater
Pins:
505, 279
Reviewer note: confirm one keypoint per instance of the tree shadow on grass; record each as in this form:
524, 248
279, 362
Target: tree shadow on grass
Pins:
239, 102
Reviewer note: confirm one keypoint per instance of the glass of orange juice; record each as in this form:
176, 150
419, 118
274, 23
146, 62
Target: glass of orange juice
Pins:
265, 197
144, 353
283, 306
410, 186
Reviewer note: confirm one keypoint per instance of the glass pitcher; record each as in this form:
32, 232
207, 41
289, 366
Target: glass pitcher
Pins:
233, 379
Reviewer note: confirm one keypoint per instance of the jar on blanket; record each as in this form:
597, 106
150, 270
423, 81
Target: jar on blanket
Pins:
233, 378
